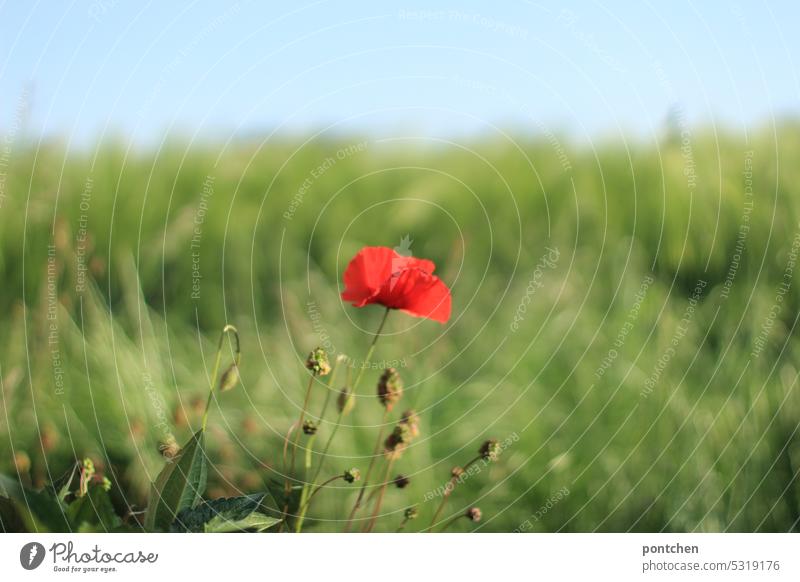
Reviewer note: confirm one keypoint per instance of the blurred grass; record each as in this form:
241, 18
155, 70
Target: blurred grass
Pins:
713, 447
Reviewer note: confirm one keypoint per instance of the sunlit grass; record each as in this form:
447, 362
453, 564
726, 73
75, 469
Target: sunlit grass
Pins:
712, 446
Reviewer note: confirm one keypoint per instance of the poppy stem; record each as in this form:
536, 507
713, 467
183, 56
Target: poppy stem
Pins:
448, 489
352, 390
371, 350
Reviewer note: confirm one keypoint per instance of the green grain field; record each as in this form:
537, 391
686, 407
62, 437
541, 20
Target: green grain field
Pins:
624, 317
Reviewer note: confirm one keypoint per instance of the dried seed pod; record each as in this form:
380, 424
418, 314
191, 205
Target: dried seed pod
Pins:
397, 441
490, 450
390, 388
229, 378
345, 401
169, 447
411, 420
401, 481
318, 363
352, 475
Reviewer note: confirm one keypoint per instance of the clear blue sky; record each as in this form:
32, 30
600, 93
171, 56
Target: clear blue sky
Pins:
145, 68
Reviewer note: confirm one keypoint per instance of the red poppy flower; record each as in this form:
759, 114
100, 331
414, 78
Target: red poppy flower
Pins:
381, 275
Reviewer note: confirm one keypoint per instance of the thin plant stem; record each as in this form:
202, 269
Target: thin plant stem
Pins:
308, 485
379, 501
375, 451
372, 495
237, 356
286, 440
300, 420
371, 349
331, 386
351, 394
451, 484
287, 489
353, 390
297, 426
330, 438
451, 522
310, 497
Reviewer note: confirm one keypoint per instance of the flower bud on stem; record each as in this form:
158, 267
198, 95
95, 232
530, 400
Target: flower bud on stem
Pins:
473, 514
349, 476
409, 514
317, 364
237, 354
448, 489
340, 359
405, 431
360, 375
401, 482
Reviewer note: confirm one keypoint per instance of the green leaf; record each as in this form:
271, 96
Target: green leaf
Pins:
9, 487
11, 519
26, 510
233, 514
179, 486
93, 509
256, 521
32, 511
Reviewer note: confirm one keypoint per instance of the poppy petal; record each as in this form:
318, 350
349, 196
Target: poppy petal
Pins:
423, 264
383, 276
430, 298
366, 274
417, 293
